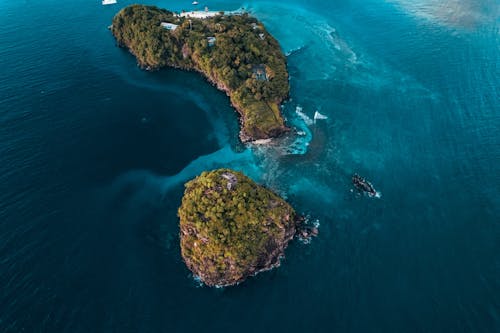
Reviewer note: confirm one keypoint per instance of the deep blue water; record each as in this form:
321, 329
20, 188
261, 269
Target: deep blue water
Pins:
94, 152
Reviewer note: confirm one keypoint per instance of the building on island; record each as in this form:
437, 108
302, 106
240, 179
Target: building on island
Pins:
169, 26
199, 14
211, 41
259, 72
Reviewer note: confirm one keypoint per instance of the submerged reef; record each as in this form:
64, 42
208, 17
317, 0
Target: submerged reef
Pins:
232, 228
234, 52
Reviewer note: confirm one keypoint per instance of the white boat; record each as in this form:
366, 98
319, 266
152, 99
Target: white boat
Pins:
108, 2
195, 2
318, 115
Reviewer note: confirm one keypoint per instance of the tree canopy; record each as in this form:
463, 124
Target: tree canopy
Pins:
231, 228
244, 60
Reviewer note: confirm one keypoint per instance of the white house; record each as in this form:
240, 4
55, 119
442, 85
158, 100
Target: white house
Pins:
169, 26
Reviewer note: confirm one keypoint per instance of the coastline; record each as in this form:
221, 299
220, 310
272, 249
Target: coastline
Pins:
183, 45
232, 228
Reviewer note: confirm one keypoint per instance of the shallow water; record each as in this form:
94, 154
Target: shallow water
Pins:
94, 153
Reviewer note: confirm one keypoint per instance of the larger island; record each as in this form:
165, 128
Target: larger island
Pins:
234, 52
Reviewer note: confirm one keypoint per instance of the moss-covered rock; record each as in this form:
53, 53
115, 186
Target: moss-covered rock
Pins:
231, 227
234, 52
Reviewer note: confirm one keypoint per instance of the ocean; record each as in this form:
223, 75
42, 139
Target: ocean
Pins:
94, 153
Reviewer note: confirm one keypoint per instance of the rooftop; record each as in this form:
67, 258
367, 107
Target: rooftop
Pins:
169, 26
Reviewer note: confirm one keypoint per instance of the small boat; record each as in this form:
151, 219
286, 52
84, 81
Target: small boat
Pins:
319, 116
362, 185
195, 3
108, 2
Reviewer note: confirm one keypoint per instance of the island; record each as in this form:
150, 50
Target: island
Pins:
233, 51
232, 228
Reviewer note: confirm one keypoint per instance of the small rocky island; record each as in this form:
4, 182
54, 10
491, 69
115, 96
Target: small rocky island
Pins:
234, 52
232, 228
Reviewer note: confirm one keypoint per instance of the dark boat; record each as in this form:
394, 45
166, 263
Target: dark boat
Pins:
361, 184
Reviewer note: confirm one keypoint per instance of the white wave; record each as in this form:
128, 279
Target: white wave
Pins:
295, 50
305, 117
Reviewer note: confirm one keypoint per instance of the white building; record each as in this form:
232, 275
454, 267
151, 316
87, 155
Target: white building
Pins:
169, 26
199, 14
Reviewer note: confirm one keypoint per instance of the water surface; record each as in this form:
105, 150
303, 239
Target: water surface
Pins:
94, 153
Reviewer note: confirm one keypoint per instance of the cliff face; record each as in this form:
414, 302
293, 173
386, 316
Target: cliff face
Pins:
232, 228
234, 52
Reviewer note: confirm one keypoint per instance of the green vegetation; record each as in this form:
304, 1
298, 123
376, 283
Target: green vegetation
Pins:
231, 228
245, 61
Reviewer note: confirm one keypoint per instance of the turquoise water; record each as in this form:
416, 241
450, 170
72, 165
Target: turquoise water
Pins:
94, 152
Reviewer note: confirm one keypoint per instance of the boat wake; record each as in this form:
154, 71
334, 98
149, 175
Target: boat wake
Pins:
307, 230
294, 50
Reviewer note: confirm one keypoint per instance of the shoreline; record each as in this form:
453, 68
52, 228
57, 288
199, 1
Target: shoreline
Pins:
257, 101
